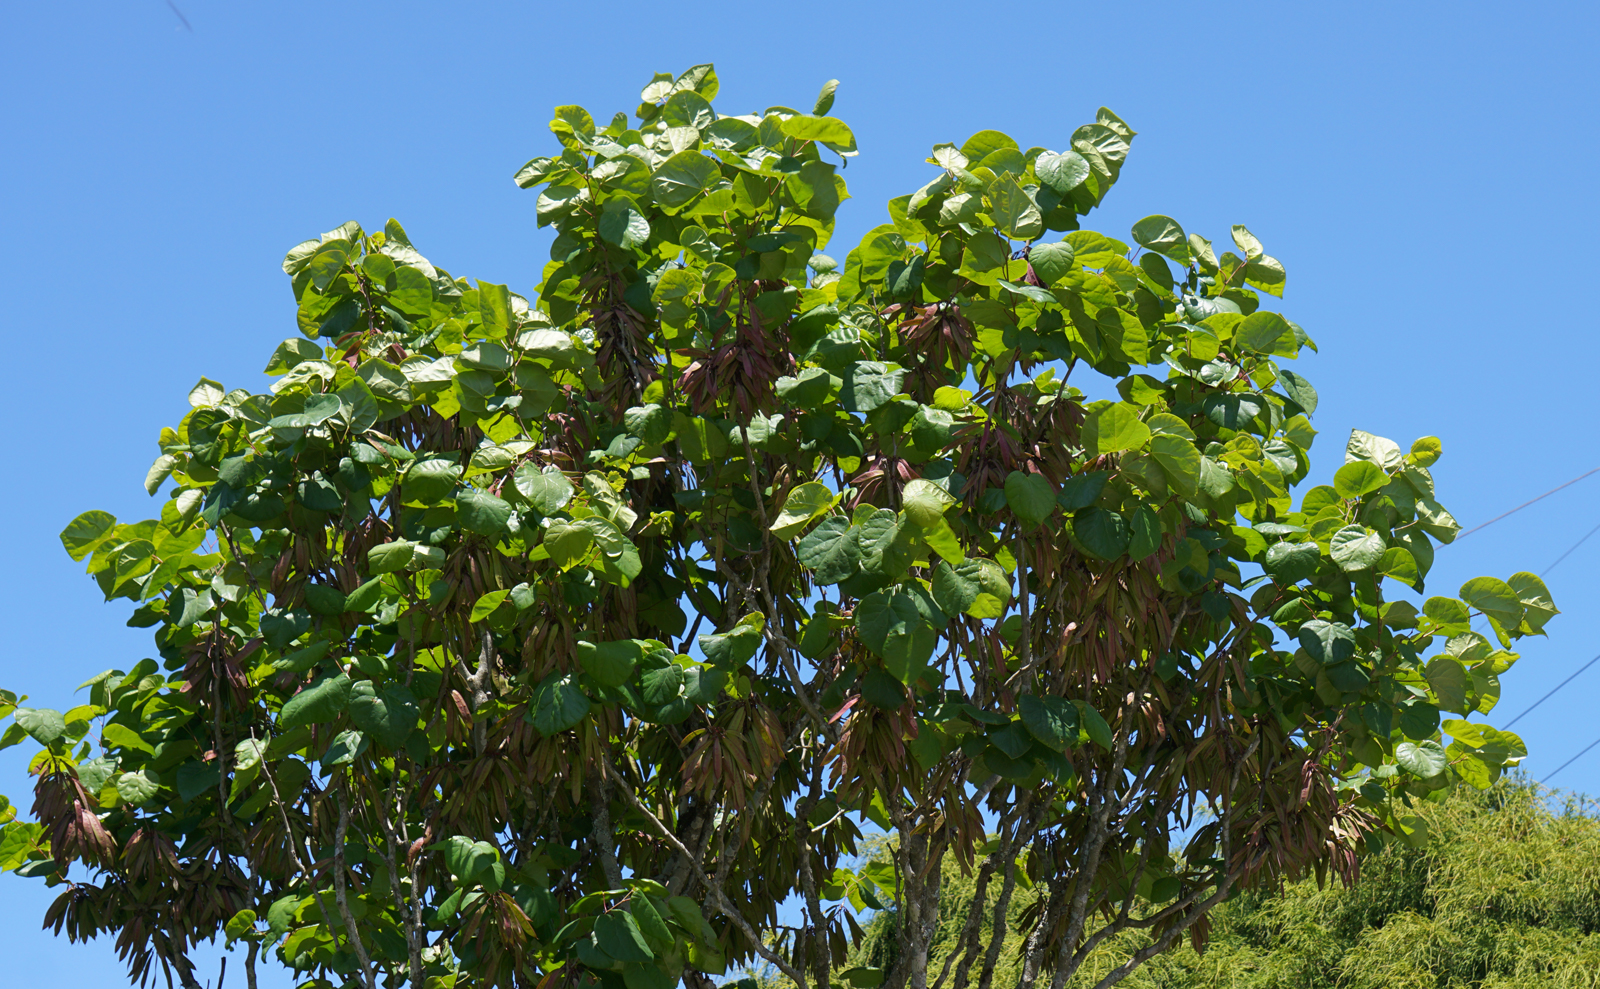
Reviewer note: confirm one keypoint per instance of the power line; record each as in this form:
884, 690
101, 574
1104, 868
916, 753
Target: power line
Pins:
1574, 759
1552, 693
1568, 553
1585, 666
1545, 571
1525, 504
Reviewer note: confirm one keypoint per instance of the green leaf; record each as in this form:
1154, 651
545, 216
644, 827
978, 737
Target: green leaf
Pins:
896, 627
618, 935
869, 384
1423, 759
1419, 720
663, 685
1365, 446
1030, 497
428, 482
324, 600
468, 860
1112, 429
546, 489
138, 787
610, 663
567, 543
1290, 563
1494, 598
159, 472
43, 724
1144, 533
1399, 564
1051, 720
650, 923
975, 587
240, 925
651, 423
1051, 262
1358, 478
1061, 172
829, 129
1535, 597
494, 304
622, 224
682, 177
1266, 333
807, 391
825, 97
84, 534
1013, 210
1267, 274
487, 604
196, 778
481, 512
1179, 461
346, 747
125, 737
831, 551
557, 705
1103, 533
390, 557
366, 597
1356, 547
1299, 389
323, 700
1425, 452
1329, 643
1450, 682
882, 690
1082, 490
1099, 732
387, 713
804, 503
1163, 235
291, 354
736, 646
1247, 242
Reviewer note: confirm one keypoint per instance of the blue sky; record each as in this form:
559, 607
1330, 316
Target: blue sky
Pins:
1424, 171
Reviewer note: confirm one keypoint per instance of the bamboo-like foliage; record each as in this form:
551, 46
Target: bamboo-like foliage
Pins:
1505, 895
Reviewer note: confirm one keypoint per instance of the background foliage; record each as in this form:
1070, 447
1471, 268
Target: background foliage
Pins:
1506, 894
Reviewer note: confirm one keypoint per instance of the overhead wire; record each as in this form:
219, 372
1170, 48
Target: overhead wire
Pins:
1580, 669
1525, 504
1569, 551
1552, 693
1574, 759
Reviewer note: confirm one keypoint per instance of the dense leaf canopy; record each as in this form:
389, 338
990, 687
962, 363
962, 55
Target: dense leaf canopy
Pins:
562, 638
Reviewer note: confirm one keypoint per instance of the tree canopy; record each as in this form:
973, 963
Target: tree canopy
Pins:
570, 638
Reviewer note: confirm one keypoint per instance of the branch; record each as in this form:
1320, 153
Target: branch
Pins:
413, 926
294, 843
601, 834
339, 893
479, 681
808, 880
719, 899
1101, 801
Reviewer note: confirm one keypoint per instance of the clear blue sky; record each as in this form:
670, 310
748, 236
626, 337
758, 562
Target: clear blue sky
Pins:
1425, 172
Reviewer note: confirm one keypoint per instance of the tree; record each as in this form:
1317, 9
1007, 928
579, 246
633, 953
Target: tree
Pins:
564, 638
